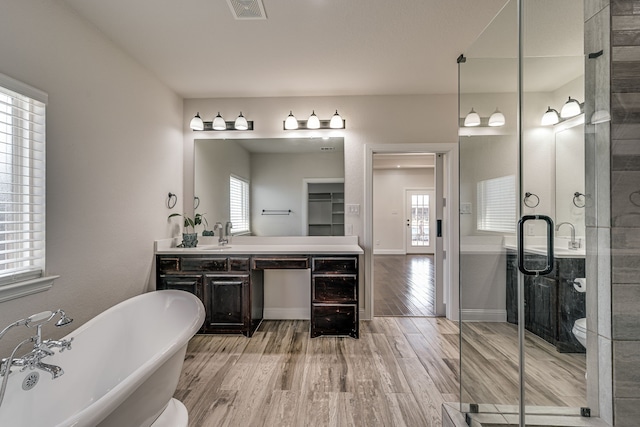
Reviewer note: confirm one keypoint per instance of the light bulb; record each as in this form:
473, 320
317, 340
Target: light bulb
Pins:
472, 119
496, 119
550, 117
219, 123
336, 121
313, 122
571, 108
241, 123
196, 123
291, 123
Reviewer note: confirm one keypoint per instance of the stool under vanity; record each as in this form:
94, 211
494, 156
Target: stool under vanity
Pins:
230, 283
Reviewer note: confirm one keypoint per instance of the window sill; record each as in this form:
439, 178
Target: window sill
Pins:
27, 287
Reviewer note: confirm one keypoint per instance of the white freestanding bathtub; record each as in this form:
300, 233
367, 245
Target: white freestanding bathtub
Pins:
121, 371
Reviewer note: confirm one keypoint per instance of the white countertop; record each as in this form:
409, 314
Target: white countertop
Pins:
256, 245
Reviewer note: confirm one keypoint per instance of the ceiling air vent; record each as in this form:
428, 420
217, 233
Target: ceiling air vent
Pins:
247, 9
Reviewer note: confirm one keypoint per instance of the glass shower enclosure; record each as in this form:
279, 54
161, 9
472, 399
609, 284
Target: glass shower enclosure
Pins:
523, 211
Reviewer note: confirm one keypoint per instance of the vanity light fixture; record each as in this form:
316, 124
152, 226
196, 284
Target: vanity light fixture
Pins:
196, 123
550, 117
496, 119
219, 124
571, 108
472, 119
336, 122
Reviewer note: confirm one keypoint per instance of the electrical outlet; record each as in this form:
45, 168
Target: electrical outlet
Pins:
377, 242
531, 230
348, 229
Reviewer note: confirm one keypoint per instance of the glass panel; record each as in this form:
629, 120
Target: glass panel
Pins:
489, 185
419, 220
553, 170
520, 334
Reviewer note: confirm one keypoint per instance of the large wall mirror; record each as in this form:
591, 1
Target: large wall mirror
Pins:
278, 171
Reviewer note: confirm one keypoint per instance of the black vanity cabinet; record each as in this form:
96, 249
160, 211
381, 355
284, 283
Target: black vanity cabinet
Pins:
334, 296
231, 288
552, 304
224, 284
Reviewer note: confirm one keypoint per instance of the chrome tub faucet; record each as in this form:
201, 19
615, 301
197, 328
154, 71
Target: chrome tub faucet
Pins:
41, 348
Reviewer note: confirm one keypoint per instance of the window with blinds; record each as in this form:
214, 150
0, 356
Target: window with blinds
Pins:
497, 204
22, 181
239, 204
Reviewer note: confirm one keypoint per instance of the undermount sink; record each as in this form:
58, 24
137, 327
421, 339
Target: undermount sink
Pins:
217, 248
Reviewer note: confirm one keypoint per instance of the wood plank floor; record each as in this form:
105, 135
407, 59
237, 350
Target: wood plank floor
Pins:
398, 373
404, 285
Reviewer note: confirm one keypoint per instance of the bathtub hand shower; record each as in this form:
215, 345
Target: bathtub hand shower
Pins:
41, 349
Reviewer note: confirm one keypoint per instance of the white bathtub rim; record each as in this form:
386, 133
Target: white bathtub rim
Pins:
103, 406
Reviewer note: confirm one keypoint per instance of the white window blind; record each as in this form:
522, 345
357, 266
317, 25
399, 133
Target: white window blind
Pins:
22, 181
239, 204
497, 204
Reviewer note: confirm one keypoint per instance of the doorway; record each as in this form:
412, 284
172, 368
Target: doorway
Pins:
406, 270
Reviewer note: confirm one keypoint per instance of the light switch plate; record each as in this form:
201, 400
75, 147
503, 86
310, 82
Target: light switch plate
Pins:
353, 209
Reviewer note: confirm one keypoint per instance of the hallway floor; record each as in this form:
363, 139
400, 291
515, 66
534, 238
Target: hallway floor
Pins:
404, 285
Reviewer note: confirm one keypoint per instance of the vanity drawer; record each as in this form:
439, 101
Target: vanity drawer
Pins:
334, 265
168, 264
239, 264
265, 263
204, 264
336, 288
334, 319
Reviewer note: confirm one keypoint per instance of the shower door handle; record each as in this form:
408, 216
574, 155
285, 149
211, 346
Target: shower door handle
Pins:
521, 266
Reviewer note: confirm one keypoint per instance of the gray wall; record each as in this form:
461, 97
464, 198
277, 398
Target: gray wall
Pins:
613, 175
114, 152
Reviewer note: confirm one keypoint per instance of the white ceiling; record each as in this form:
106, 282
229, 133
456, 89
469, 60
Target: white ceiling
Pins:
303, 48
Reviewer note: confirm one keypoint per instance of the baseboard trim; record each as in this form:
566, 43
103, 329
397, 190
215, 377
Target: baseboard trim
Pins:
389, 252
287, 313
483, 315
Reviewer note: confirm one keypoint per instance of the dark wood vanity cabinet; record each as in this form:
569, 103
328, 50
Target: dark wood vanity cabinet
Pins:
232, 289
222, 283
334, 296
552, 304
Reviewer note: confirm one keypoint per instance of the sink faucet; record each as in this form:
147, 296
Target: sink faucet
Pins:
573, 243
222, 240
41, 348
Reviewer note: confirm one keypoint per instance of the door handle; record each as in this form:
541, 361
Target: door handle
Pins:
549, 268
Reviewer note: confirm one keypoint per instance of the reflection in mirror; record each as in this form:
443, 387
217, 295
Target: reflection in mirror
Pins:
570, 179
278, 172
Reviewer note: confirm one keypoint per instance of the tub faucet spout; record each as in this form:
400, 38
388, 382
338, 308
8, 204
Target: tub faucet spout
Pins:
54, 370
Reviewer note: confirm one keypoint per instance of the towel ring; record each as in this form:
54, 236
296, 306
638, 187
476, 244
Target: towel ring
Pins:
634, 198
526, 200
576, 196
196, 202
172, 199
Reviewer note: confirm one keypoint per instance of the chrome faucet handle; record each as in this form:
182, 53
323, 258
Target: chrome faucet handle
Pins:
62, 344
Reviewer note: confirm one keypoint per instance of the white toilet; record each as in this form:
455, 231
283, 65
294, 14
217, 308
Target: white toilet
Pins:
580, 331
